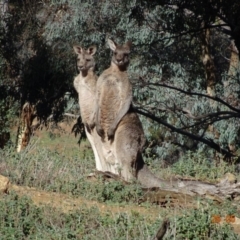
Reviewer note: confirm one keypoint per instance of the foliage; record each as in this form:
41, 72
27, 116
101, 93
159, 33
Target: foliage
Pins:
31, 70
17, 216
197, 165
167, 67
6, 118
197, 224
21, 219
52, 170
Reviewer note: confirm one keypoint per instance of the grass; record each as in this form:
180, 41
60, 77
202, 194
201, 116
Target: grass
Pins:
21, 219
55, 163
65, 172
196, 165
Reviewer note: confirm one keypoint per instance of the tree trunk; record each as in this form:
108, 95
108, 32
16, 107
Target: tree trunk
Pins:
234, 60
229, 84
208, 62
232, 71
25, 126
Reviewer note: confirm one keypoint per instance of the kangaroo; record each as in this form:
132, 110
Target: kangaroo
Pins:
114, 92
85, 85
85, 82
112, 95
115, 117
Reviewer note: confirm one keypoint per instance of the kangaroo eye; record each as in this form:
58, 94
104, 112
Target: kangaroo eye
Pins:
88, 60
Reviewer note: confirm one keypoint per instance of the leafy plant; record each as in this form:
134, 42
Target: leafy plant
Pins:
197, 165
63, 172
197, 224
21, 219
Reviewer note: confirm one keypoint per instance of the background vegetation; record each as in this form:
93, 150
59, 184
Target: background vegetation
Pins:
184, 66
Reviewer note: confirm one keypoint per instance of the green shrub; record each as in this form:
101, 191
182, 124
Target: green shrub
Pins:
64, 172
197, 165
21, 219
197, 224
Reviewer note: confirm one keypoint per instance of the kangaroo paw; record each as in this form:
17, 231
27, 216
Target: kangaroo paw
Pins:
110, 134
100, 132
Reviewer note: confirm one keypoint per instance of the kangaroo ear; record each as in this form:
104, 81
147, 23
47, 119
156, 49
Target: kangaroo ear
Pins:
92, 50
128, 44
112, 44
77, 49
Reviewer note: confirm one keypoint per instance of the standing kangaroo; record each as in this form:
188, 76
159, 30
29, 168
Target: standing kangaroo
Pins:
85, 85
116, 122
114, 92
85, 82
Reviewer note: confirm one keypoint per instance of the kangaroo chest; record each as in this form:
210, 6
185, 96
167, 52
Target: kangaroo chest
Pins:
111, 93
86, 96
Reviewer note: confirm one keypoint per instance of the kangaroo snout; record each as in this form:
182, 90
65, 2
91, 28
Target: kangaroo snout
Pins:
119, 61
81, 67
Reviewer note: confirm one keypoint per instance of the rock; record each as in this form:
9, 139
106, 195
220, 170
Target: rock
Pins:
231, 178
4, 184
228, 177
236, 225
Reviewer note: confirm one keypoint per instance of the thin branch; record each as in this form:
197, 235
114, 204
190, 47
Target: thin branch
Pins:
209, 115
217, 99
193, 31
210, 143
207, 121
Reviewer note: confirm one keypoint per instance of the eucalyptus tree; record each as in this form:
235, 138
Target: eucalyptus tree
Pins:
200, 92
